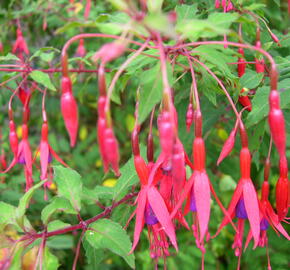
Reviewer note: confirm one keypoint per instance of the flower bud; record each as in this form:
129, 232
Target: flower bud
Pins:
13, 139
109, 52
277, 122
189, 117
112, 150
69, 111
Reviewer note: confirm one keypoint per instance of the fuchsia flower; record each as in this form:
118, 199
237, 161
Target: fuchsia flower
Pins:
20, 47
244, 204
22, 153
46, 152
152, 210
267, 217
197, 189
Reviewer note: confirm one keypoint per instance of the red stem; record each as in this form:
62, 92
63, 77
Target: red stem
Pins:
52, 70
84, 223
273, 73
88, 35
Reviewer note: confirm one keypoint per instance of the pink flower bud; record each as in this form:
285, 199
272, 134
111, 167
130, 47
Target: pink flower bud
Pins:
241, 67
230, 6
109, 52
260, 65
81, 50
101, 127
189, 117
112, 150
69, 110
275, 38
101, 106
13, 139
228, 146
277, 122
245, 101
282, 199
217, 3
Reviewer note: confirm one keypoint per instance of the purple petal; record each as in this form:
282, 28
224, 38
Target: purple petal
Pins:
150, 217
192, 202
241, 209
264, 225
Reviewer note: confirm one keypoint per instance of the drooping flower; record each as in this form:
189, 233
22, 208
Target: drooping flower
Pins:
151, 209
150, 201
267, 218
22, 153
244, 205
20, 47
46, 153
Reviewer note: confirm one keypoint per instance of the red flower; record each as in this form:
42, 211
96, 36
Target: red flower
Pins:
20, 46
46, 152
244, 204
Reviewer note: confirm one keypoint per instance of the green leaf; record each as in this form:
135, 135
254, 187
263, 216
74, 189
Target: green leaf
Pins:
227, 183
73, 25
61, 242
69, 185
56, 225
110, 235
80, 59
16, 262
141, 61
42, 78
46, 53
128, 178
24, 202
255, 6
9, 57
57, 204
216, 24
154, 5
260, 105
223, 20
90, 196
50, 261
161, 23
251, 79
217, 56
151, 91
94, 255
119, 4
7, 214
186, 12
